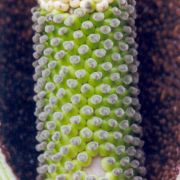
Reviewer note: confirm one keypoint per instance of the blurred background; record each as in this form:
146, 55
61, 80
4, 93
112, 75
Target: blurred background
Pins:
158, 36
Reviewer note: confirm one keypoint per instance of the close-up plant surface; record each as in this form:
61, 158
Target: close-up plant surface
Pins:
157, 27
86, 91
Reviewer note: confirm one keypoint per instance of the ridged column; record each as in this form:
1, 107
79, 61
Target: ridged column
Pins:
86, 91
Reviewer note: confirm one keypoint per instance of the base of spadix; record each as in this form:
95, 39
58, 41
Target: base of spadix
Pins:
95, 168
5, 171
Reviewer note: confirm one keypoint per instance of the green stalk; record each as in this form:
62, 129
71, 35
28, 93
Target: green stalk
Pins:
5, 171
86, 92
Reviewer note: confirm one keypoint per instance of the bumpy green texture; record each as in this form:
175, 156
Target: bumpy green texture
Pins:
86, 93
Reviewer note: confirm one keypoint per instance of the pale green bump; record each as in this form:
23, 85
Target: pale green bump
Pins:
6, 172
86, 76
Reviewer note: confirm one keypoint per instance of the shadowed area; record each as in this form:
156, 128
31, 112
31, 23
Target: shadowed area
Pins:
16, 87
158, 26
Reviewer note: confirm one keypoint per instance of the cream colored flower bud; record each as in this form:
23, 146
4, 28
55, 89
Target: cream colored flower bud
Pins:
102, 6
74, 3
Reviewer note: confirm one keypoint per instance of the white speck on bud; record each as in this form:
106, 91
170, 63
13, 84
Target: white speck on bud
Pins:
56, 136
105, 88
71, 83
120, 90
98, 16
58, 18
96, 75
87, 25
96, 99
74, 59
76, 141
64, 150
86, 133
109, 147
62, 31
59, 55
85, 88
112, 99
77, 34
68, 45
118, 36
116, 56
119, 112
97, 121
49, 86
88, 110
61, 92
48, 51
105, 29
116, 11
57, 78
83, 49
123, 68
56, 157
49, 28
93, 146
74, 3
94, 38
75, 99
114, 22
120, 149
107, 66
83, 157
108, 44
100, 53
124, 124
66, 129
67, 107
117, 171
112, 123
52, 64
69, 21
77, 175
104, 111
61, 177
45, 73
68, 165
50, 146
79, 12
55, 41
51, 168
75, 119
80, 73
115, 76
102, 134
102, 6
125, 161
92, 63
57, 116
42, 169
87, 5
51, 125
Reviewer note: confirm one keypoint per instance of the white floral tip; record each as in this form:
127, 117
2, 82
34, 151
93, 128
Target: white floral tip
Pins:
6, 172
69, 5
178, 177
